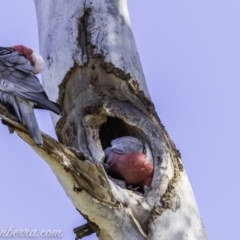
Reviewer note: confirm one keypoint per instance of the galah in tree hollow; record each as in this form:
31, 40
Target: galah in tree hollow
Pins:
20, 89
130, 159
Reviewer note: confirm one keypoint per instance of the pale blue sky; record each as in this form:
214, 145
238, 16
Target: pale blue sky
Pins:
191, 56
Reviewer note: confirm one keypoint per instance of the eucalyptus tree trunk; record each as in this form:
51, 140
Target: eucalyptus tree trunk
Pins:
93, 69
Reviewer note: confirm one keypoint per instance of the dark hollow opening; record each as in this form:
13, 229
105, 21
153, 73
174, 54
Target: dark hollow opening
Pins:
115, 128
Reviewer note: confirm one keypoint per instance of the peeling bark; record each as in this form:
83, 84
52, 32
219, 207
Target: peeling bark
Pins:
94, 71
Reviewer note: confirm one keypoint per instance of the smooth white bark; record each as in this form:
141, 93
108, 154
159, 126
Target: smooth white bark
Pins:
107, 29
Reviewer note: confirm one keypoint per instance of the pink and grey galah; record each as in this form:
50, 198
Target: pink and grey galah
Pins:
21, 90
130, 159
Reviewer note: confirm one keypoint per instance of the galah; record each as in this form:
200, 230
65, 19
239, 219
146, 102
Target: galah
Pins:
130, 159
20, 89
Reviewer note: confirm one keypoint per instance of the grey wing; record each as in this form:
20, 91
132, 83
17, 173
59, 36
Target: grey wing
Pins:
12, 62
41, 100
16, 77
31, 91
29, 119
29, 83
25, 113
7, 99
127, 144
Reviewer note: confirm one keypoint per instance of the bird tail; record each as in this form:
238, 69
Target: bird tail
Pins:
29, 119
41, 100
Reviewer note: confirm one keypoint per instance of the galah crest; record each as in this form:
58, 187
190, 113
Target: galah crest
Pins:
130, 159
20, 89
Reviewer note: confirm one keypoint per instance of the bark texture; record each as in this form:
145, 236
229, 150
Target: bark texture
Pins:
94, 71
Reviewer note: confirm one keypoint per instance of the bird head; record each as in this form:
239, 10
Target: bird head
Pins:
35, 59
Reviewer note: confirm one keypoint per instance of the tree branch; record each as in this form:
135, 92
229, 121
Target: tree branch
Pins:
84, 181
83, 231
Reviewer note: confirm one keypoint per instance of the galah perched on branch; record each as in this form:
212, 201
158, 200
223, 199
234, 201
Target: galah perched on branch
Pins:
21, 89
130, 159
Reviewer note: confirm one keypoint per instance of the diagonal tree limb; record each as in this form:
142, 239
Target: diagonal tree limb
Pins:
84, 181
